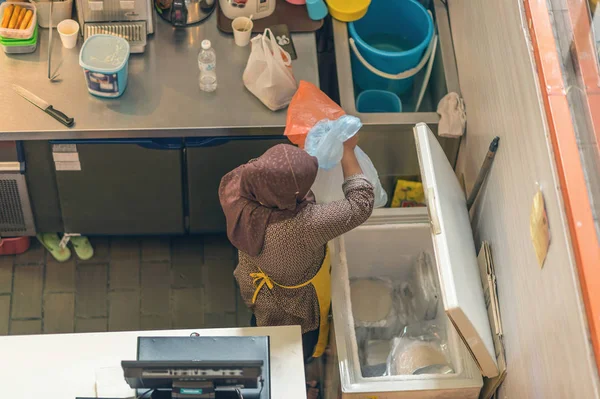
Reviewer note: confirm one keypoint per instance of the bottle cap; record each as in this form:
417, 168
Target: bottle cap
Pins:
205, 44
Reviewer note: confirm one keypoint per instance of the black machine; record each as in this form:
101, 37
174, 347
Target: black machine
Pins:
189, 379
200, 368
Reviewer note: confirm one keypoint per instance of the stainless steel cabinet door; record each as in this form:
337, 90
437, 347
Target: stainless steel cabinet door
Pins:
120, 186
208, 160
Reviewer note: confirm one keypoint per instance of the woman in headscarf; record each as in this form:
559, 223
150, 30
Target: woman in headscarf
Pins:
281, 234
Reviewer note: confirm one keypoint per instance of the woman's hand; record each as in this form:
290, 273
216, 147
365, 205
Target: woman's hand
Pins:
350, 164
351, 142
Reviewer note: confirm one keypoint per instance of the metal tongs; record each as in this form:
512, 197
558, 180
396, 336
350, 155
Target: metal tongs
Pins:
50, 76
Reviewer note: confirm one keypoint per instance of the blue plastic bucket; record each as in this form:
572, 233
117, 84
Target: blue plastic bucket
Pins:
390, 44
371, 101
105, 60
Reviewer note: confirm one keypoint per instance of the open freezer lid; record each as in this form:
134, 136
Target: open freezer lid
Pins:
455, 251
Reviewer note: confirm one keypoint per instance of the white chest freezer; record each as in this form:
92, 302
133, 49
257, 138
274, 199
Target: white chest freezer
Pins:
386, 246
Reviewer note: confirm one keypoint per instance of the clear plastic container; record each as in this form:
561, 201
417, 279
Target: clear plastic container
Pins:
18, 46
19, 33
207, 62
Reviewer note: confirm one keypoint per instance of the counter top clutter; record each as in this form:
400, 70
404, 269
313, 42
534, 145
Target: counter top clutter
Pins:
162, 98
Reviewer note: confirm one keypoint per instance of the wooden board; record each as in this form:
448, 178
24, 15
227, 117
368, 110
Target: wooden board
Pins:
295, 17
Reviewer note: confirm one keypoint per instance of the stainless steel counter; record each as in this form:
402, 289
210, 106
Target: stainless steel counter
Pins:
162, 98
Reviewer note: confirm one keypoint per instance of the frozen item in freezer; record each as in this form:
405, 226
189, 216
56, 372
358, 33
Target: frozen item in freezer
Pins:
373, 353
417, 299
425, 286
422, 348
377, 351
372, 302
417, 357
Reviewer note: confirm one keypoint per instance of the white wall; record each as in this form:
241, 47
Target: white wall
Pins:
547, 343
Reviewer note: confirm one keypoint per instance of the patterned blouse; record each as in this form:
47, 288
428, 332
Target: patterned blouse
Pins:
293, 252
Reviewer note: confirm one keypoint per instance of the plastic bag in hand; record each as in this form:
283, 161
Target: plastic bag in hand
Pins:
325, 141
309, 106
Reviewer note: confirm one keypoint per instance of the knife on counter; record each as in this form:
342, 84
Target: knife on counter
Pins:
44, 106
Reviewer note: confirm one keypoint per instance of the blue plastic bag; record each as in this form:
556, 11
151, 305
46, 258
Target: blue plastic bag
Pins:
325, 141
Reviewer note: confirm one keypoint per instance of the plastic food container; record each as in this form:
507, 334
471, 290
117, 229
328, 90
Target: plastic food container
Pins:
20, 46
348, 10
19, 33
105, 59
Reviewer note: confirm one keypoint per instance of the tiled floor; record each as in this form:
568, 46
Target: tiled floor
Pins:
130, 284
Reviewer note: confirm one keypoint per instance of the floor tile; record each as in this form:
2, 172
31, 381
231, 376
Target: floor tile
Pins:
156, 322
219, 287
59, 313
124, 274
188, 257
218, 247
125, 249
156, 249
25, 327
146, 283
124, 311
4, 314
220, 320
92, 284
156, 288
35, 255
6, 274
101, 251
244, 314
99, 324
188, 309
27, 294
60, 277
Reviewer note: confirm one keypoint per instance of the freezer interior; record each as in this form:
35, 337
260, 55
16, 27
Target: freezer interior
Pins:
388, 254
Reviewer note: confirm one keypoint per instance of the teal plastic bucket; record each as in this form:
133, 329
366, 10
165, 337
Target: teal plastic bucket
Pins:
390, 45
374, 101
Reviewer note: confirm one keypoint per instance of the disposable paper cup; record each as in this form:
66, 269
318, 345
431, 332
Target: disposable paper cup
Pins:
68, 31
242, 30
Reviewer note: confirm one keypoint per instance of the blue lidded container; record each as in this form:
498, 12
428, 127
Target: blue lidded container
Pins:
105, 59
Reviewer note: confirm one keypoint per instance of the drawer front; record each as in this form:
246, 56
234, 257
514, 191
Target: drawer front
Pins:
120, 187
208, 160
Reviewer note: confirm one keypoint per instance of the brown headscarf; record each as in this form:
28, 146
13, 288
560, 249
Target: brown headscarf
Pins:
272, 188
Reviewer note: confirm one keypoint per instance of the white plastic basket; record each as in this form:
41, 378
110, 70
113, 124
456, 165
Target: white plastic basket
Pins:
19, 33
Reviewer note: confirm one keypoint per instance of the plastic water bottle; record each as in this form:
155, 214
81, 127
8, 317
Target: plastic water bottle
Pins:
207, 62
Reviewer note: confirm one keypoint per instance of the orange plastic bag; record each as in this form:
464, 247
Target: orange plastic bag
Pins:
308, 106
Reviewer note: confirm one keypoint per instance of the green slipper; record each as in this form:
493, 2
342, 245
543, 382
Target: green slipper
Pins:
83, 248
51, 242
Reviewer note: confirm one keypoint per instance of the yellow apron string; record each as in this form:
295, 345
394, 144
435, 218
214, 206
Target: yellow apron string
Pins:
322, 283
261, 278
